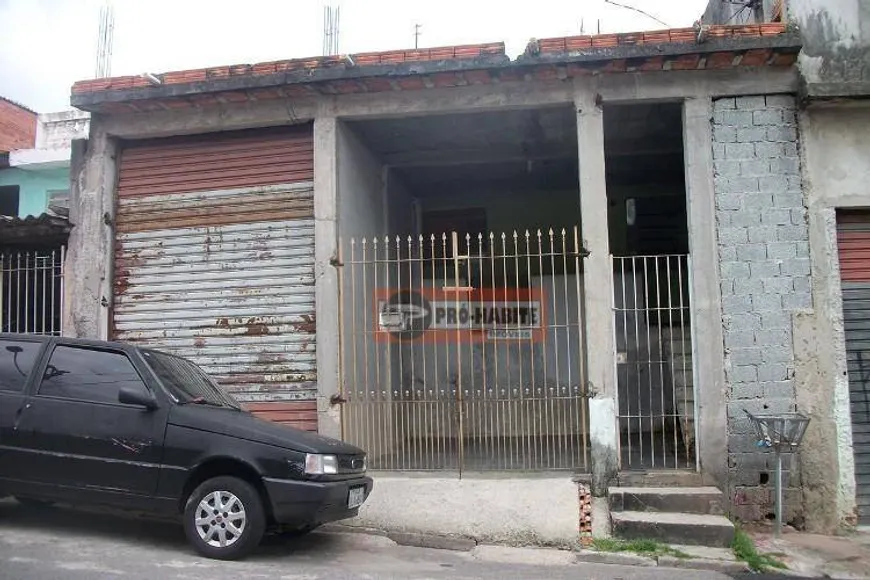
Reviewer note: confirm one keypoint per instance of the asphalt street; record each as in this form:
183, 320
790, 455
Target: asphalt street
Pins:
60, 543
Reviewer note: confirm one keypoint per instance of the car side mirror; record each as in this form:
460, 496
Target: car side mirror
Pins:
133, 396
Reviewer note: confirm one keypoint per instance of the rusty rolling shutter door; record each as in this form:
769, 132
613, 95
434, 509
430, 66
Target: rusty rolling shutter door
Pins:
853, 238
214, 261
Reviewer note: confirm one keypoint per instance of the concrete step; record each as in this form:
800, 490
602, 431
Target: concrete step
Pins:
660, 478
692, 500
673, 528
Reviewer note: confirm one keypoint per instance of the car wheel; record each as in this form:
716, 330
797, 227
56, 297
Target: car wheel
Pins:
31, 502
224, 518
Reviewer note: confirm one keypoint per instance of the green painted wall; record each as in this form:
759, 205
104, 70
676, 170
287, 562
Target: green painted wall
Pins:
34, 187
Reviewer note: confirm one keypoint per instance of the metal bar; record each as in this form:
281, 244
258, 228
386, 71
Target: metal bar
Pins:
544, 400
694, 369
454, 240
777, 531
671, 362
581, 359
537, 433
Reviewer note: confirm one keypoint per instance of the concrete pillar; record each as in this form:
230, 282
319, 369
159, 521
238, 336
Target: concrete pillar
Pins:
326, 282
598, 290
706, 300
89, 259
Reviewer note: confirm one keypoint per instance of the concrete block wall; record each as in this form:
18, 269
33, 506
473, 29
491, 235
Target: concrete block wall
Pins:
764, 266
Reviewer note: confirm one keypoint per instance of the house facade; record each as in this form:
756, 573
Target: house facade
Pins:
589, 260
829, 338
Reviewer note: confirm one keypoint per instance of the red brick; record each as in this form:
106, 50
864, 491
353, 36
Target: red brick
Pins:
604, 41
266, 94
618, 65
785, 59
240, 69
578, 42
772, 28
393, 57
549, 73
17, 126
366, 59
217, 72
411, 83
477, 77
755, 57
719, 31
683, 35
747, 30
630, 38
446, 80
654, 63
264, 68
656, 36
721, 60
416, 55
378, 84
546, 45
685, 62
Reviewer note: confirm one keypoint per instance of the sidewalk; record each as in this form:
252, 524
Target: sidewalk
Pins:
814, 555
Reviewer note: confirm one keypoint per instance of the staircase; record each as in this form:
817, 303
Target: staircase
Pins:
674, 515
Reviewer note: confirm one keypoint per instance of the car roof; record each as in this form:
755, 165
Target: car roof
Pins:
65, 340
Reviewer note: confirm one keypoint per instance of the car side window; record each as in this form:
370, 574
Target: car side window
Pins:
16, 361
85, 374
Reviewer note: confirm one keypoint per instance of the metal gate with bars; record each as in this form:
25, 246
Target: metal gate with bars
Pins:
31, 293
654, 362
465, 351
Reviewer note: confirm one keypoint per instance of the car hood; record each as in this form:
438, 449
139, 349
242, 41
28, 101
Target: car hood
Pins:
244, 425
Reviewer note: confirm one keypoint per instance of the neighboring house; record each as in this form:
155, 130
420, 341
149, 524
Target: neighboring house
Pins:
467, 263
830, 339
38, 174
34, 202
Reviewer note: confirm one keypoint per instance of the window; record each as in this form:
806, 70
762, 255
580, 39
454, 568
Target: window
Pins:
16, 362
88, 375
58, 198
9, 200
188, 382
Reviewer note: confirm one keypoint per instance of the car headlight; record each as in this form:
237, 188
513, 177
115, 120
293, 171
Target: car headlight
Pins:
316, 464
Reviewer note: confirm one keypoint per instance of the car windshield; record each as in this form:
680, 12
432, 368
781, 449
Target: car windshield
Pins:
187, 382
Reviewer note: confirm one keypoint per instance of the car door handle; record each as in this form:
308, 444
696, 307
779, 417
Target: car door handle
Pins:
18, 415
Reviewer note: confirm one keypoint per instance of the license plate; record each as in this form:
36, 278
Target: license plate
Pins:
356, 496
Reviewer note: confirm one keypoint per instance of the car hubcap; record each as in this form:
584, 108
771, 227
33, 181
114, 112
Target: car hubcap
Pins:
220, 519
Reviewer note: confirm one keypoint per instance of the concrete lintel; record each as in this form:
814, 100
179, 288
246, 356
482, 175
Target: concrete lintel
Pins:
706, 301
452, 100
326, 285
598, 287
225, 117
88, 281
679, 84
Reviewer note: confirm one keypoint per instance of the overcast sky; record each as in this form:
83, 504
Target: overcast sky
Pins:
46, 45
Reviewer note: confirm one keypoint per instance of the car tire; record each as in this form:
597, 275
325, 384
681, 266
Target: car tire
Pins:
33, 503
224, 518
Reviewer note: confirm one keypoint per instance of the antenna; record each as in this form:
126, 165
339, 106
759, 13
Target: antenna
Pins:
638, 10
105, 39
331, 16
417, 34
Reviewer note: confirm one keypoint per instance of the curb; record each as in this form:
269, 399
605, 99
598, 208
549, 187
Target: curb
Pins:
625, 559
411, 539
614, 558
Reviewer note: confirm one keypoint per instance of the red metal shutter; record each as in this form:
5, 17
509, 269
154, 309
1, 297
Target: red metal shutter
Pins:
214, 261
853, 236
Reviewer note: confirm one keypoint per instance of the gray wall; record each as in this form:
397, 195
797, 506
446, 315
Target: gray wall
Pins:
764, 268
836, 35
837, 175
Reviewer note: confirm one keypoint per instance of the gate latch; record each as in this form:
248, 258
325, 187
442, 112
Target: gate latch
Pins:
337, 399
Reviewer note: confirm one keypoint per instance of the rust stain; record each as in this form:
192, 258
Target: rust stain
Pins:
122, 282
222, 323
199, 342
256, 327
308, 324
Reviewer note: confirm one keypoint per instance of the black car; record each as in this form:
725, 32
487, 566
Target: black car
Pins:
89, 422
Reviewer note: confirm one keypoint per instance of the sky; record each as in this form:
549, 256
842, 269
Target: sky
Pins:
46, 45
